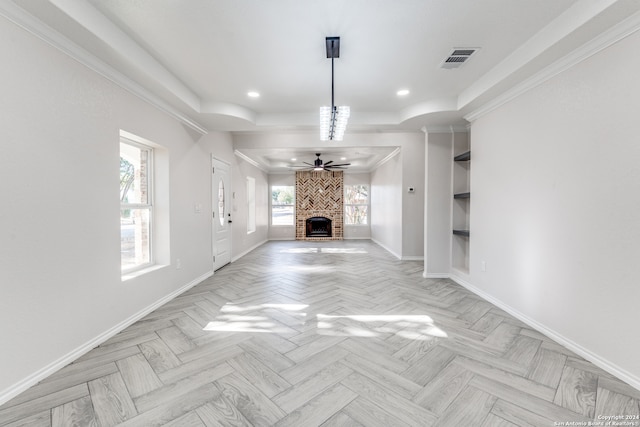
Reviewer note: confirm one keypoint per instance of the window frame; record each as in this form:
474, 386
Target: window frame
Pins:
367, 205
251, 205
293, 206
149, 206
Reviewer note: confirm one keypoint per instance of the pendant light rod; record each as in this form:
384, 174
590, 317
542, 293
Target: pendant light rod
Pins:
333, 120
333, 104
333, 51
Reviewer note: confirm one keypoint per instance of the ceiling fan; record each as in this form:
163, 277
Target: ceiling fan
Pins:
318, 165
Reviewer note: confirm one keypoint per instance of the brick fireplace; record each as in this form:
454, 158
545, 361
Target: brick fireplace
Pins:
319, 195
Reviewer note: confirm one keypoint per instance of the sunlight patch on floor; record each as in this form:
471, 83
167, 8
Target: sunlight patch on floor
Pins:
243, 326
324, 250
233, 308
413, 327
343, 251
303, 268
268, 318
256, 319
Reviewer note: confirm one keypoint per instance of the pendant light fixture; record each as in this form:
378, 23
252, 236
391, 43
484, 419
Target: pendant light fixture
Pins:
333, 120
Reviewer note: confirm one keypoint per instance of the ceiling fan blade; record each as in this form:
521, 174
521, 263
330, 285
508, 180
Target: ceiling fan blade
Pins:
319, 165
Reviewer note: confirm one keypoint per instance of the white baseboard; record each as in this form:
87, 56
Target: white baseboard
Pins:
400, 257
435, 275
14, 390
386, 249
237, 257
281, 238
600, 362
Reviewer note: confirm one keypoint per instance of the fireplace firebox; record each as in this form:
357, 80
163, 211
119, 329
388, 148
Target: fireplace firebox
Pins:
318, 226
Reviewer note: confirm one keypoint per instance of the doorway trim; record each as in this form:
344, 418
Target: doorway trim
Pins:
221, 230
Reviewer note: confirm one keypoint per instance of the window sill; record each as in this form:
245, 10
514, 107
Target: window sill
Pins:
137, 273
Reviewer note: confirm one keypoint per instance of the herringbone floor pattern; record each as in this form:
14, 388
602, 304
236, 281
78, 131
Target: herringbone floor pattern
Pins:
331, 334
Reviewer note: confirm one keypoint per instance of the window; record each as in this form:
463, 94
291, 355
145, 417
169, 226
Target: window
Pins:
282, 201
251, 205
136, 207
356, 204
221, 202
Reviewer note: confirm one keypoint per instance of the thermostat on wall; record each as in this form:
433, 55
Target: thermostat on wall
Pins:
411, 190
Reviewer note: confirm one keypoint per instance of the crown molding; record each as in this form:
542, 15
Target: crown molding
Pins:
592, 47
385, 160
26, 21
250, 161
577, 15
446, 129
84, 13
428, 107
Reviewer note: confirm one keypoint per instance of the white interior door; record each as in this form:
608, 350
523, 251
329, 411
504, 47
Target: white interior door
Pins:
221, 189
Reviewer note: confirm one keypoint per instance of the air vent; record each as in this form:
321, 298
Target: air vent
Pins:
457, 57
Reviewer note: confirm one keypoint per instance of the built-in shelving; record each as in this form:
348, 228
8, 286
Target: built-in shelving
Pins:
461, 203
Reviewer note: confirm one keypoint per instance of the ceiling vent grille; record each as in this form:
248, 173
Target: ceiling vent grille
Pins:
458, 57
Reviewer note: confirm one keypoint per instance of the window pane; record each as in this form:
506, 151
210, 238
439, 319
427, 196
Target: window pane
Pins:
221, 202
282, 203
251, 204
356, 203
282, 195
134, 171
135, 239
356, 194
282, 215
355, 214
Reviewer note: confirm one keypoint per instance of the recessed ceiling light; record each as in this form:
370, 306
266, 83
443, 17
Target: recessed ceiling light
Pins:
402, 92
343, 158
293, 159
253, 94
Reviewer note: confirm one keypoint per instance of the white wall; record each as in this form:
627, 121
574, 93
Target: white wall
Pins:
244, 242
555, 183
386, 205
60, 283
439, 160
413, 170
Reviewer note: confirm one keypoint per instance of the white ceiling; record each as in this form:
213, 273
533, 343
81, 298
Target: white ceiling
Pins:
201, 57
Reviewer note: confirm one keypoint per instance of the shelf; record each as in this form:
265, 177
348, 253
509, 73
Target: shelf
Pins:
463, 157
462, 195
461, 233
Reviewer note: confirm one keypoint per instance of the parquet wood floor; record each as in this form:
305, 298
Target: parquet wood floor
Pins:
331, 334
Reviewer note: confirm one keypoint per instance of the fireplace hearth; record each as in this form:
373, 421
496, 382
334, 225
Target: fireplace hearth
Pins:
318, 226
